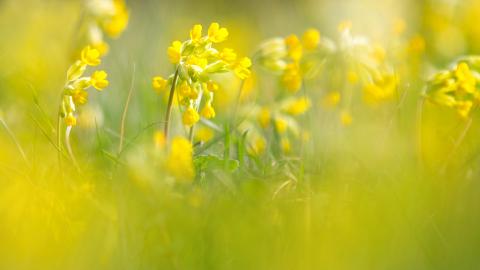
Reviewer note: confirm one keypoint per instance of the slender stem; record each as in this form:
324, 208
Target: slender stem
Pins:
420, 105
169, 105
190, 133
15, 141
457, 144
237, 102
69, 147
124, 115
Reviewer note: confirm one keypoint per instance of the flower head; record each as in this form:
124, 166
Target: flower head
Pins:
173, 52
99, 80
196, 33
217, 34
208, 111
90, 56
159, 84
190, 117
311, 39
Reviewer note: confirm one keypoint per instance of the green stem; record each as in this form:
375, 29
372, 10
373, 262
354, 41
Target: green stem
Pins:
169, 105
190, 134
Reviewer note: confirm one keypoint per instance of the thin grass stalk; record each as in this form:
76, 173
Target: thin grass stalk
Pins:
169, 105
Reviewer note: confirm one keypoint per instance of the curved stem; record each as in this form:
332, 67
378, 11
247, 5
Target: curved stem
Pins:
190, 134
457, 144
169, 105
69, 147
420, 105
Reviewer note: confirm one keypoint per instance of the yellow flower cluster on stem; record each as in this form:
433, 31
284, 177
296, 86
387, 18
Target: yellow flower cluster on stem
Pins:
455, 88
196, 60
75, 90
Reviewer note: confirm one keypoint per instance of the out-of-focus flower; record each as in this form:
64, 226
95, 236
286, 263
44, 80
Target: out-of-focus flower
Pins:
456, 88
297, 106
204, 134
190, 117
331, 99
346, 118
179, 161
159, 84
104, 17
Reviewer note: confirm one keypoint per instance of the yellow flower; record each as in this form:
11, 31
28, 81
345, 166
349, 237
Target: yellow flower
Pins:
217, 34
102, 47
378, 53
294, 47
90, 56
464, 107
399, 26
346, 118
281, 125
298, 106
190, 117
208, 111
285, 145
80, 96
159, 139
197, 61
70, 120
204, 134
464, 76
352, 77
228, 55
331, 99
184, 89
292, 78
417, 44
311, 39
242, 68
196, 33
99, 80
264, 117
159, 84
115, 25
179, 162
383, 89
212, 86
258, 146
173, 52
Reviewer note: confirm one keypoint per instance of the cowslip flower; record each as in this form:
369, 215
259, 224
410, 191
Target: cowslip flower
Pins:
103, 18
196, 60
76, 86
291, 57
456, 88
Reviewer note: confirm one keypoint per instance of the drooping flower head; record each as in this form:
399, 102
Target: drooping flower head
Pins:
75, 90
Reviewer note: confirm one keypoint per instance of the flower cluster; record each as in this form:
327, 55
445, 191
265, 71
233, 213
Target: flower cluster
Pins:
354, 63
104, 17
291, 57
75, 89
456, 88
196, 61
